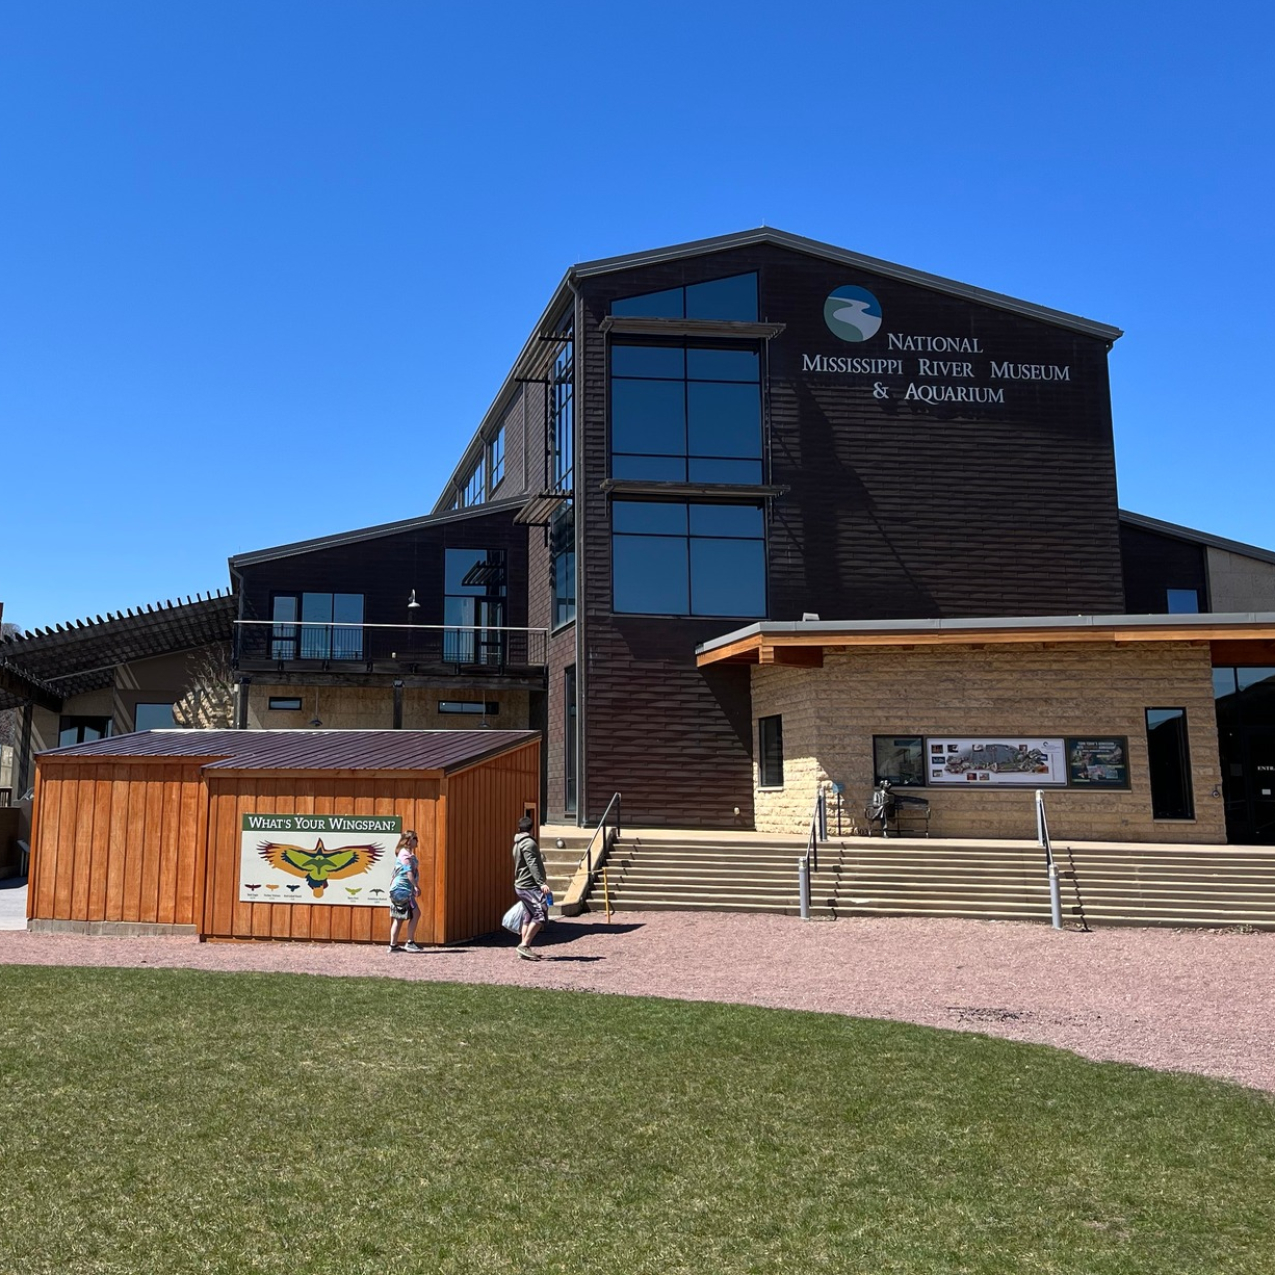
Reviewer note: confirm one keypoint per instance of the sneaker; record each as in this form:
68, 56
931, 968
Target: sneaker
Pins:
413, 947
394, 947
527, 954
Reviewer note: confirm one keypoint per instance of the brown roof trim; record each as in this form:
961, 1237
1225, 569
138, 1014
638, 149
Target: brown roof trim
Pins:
796, 642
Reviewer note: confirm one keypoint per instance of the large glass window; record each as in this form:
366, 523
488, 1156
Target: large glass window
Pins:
685, 413
1169, 759
732, 298
900, 759
688, 559
475, 490
323, 633
474, 606
562, 406
496, 458
562, 566
770, 751
153, 717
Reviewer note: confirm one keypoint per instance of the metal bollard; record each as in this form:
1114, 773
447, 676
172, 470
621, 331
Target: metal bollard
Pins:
803, 888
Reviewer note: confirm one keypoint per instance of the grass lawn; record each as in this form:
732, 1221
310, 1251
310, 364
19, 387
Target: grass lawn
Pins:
174, 1121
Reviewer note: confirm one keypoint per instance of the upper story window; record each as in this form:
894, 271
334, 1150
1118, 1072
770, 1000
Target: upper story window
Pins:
322, 633
496, 459
688, 559
686, 412
1182, 601
562, 408
562, 566
731, 298
474, 606
475, 490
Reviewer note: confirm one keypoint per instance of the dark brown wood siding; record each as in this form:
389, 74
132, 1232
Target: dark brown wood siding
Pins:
894, 508
387, 568
1154, 564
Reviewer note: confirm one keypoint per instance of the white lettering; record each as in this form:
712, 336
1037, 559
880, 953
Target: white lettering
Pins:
1030, 371
935, 344
954, 393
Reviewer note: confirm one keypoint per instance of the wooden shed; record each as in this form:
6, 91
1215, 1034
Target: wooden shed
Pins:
234, 834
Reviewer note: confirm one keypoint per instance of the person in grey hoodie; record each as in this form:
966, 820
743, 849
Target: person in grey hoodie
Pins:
530, 886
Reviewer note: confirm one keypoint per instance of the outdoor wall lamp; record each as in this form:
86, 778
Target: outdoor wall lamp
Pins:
412, 604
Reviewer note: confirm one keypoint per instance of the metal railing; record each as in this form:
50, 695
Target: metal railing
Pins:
394, 647
587, 869
1042, 837
809, 862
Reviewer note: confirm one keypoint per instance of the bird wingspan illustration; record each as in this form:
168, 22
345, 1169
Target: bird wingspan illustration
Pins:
320, 865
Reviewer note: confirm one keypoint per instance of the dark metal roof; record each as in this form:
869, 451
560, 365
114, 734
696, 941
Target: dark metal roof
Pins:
1196, 537
82, 655
533, 350
444, 750
373, 533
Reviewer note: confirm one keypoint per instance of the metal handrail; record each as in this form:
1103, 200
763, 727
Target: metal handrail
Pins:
809, 862
587, 868
586, 859
1051, 867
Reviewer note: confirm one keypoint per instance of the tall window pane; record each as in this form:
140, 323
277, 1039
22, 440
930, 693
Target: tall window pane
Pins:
648, 417
651, 575
728, 577
770, 751
723, 419
1169, 762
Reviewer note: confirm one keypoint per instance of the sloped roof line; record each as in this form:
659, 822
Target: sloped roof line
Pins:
1197, 537
373, 533
533, 347
82, 627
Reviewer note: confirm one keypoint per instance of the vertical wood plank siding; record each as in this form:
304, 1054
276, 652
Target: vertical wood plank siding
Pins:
484, 804
118, 842
233, 796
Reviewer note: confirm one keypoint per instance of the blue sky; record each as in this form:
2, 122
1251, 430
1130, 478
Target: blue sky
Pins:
263, 264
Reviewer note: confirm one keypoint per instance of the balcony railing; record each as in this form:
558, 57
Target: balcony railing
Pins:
390, 648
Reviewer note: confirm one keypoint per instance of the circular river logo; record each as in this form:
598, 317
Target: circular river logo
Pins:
853, 314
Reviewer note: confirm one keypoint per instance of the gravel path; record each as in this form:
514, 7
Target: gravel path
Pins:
1182, 1000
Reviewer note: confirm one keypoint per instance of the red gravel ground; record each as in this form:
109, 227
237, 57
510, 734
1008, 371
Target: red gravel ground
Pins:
1178, 1000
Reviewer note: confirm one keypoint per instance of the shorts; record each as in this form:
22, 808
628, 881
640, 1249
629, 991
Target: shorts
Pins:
404, 911
534, 902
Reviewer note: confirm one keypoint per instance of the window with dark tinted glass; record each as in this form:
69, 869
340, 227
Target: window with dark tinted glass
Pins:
562, 566
82, 730
470, 707
732, 298
770, 752
474, 606
1169, 762
285, 703
1182, 601
688, 559
900, 759
153, 717
685, 413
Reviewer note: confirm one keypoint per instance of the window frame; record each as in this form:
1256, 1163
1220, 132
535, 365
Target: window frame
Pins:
284, 704
770, 752
690, 539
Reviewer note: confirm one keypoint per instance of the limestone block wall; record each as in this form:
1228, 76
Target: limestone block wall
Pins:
372, 708
1032, 689
1237, 583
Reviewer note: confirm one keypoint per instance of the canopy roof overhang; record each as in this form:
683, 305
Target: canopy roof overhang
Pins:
1245, 637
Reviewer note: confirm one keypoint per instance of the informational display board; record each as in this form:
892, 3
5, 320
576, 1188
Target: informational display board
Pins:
333, 859
1098, 762
995, 762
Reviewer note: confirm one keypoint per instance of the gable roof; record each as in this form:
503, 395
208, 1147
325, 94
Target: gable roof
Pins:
1196, 537
534, 350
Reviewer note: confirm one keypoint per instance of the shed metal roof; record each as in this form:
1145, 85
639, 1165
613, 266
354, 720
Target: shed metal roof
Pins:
443, 750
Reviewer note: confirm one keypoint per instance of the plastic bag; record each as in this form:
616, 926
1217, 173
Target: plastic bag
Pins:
515, 918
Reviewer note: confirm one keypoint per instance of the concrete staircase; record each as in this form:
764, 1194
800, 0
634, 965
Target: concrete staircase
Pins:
1129, 884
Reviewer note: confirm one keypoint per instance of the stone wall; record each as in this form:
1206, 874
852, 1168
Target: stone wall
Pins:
372, 708
1237, 583
831, 714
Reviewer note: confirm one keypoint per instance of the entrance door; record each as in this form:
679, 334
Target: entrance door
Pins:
1248, 764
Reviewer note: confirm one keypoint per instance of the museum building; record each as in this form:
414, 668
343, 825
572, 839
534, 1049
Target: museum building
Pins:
755, 516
